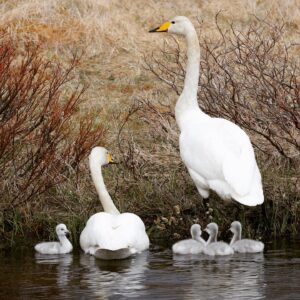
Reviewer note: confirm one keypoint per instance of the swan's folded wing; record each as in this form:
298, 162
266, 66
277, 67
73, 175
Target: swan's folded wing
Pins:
47, 248
239, 162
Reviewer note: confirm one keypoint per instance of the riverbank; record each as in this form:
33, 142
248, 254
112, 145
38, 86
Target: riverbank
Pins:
98, 78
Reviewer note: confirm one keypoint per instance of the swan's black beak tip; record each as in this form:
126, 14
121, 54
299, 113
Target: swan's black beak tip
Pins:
154, 30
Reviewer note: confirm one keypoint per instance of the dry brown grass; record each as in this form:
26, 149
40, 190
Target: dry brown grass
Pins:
114, 34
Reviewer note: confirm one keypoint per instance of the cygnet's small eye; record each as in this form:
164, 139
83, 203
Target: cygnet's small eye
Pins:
173, 22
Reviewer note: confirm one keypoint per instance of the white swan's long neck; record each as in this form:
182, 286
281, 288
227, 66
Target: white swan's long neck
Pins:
237, 236
199, 239
187, 101
212, 238
65, 243
103, 194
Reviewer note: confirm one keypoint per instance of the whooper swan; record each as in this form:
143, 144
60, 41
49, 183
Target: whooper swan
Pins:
194, 245
218, 154
61, 247
243, 245
213, 247
109, 234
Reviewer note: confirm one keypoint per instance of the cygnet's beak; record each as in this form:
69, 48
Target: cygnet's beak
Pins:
67, 232
207, 230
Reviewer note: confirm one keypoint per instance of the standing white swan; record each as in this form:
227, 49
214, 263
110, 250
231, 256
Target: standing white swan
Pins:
218, 154
194, 245
243, 245
109, 234
61, 247
213, 247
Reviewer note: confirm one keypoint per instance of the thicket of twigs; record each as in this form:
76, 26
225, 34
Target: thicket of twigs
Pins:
43, 138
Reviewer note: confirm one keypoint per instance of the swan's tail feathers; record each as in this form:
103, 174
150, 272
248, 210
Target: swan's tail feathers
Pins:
107, 254
251, 199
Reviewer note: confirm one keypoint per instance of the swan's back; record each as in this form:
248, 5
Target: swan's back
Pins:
218, 248
113, 232
188, 246
48, 248
247, 246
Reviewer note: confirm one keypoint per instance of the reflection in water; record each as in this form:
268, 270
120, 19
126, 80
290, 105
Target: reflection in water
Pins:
153, 275
120, 277
62, 262
227, 277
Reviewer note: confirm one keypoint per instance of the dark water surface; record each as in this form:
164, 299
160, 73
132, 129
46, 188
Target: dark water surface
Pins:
156, 274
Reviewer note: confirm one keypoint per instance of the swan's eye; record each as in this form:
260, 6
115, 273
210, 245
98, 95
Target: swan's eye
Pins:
173, 22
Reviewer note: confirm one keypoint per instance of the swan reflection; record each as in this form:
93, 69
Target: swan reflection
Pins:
63, 263
120, 277
240, 276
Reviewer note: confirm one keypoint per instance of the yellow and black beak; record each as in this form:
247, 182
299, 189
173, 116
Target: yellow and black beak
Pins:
162, 28
109, 158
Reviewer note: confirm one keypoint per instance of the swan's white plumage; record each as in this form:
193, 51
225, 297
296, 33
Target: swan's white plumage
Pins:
194, 245
114, 232
213, 247
248, 246
110, 230
61, 247
218, 249
218, 154
243, 245
188, 246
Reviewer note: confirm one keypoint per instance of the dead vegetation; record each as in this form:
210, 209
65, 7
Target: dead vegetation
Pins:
249, 74
42, 138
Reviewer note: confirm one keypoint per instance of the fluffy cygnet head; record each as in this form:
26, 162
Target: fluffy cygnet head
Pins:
196, 231
100, 155
179, 25
212, 229
236, 227
61, 230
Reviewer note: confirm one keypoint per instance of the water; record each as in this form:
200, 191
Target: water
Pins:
156, 274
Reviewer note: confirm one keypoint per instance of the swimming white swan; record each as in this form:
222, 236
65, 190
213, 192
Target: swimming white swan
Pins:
243, 245
109, 234
218, 154
61, 247
194, 245
213, 247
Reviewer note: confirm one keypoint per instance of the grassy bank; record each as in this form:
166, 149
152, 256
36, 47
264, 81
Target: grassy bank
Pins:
110, 83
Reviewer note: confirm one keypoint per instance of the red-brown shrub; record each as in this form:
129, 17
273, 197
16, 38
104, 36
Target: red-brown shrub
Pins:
42, 133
